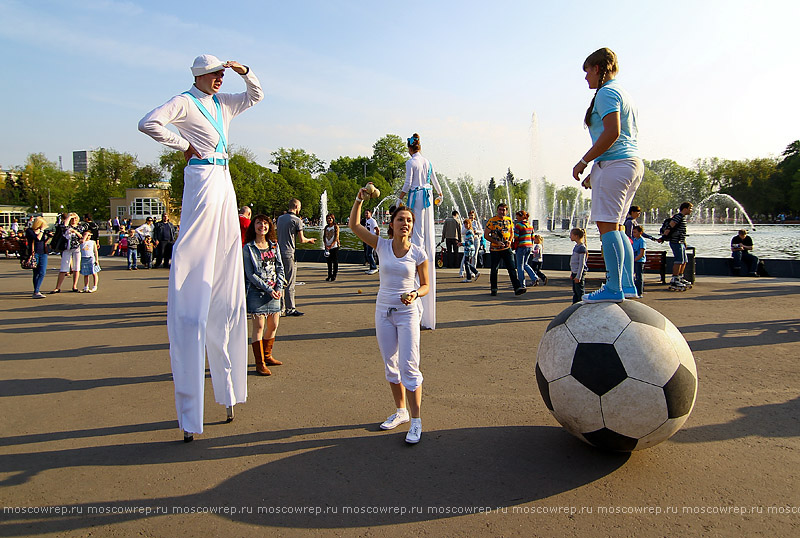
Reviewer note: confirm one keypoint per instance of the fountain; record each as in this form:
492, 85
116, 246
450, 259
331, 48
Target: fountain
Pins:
738, 209
469, 192
536, 192
323, 208
450, 193
509, 201
572, 221
461, 195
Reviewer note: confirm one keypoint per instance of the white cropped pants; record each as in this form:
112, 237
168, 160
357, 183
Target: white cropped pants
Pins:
206, 310
397, 330
614, 184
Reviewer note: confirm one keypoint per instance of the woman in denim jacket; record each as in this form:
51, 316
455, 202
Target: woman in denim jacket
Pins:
264, 283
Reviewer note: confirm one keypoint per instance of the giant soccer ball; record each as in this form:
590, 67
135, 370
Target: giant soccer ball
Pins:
619, 376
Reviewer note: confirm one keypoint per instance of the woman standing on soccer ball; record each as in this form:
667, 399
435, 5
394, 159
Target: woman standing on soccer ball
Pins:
616, 173
397, 318
420, 183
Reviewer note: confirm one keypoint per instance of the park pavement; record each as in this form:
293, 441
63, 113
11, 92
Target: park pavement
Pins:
89, 444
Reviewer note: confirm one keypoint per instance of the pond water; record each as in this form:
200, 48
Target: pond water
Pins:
771, 241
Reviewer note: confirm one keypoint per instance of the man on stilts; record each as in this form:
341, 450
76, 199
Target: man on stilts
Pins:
206, 301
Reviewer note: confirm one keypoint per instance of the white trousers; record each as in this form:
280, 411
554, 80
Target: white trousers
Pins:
70, 260
424, 236
397, 330
614, 184
206, 310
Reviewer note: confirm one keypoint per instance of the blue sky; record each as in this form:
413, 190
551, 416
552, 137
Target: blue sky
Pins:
711, 79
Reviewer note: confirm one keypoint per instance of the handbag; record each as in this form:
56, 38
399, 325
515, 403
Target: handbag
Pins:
29, 262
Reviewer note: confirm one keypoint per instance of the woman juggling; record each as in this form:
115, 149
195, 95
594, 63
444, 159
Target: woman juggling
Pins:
419, 185
397, 318
616, 173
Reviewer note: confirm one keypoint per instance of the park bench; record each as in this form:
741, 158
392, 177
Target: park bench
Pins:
656, 262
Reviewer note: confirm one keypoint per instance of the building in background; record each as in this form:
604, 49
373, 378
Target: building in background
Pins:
80, 161
140, 203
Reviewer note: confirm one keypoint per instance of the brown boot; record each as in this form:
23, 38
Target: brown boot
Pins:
268, 358
258, 353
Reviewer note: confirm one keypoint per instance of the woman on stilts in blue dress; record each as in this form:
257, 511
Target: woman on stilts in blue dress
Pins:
420, 185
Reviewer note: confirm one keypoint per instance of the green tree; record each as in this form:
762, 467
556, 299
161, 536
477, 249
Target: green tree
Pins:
509, 178
652, 194
110, 173
297, 159
42, 184
682, 183
353, 167
173, 163
749, 183
786, 180
13, 191
389, 155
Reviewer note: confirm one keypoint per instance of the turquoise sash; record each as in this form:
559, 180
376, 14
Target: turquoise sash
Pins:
222, 145
426, 191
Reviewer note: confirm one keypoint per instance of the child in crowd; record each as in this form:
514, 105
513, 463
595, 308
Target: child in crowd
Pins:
537, 255
147, 252
122, 242
133, 244
639, 257
577, 263
89, 262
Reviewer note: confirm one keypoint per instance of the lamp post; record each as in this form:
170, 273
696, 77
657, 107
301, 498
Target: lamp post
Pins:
49, 209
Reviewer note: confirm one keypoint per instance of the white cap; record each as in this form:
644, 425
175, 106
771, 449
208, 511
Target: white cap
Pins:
205, 64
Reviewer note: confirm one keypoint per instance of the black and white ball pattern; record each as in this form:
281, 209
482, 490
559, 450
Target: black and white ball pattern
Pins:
619, 376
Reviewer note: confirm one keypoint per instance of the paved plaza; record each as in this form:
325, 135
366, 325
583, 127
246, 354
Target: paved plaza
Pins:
89, 443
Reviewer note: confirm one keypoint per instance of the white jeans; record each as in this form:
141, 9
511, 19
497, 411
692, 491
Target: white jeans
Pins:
206, 301
614, 185
398, 339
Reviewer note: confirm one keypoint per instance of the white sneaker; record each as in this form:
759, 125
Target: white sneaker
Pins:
415, 432
371, 271
394, 421
94, 289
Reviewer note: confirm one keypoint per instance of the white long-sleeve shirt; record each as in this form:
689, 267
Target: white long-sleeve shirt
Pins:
417, 174
193, 127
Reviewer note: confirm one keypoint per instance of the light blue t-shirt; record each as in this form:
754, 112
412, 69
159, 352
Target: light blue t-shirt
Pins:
638, 244
612, 98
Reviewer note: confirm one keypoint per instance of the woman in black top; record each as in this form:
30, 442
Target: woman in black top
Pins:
37, 243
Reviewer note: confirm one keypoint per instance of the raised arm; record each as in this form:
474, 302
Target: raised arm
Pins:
355, 221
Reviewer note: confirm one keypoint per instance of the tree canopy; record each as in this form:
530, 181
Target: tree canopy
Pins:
765, 186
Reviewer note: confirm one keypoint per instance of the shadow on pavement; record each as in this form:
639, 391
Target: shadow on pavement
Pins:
372, 478
769, 420
744, 334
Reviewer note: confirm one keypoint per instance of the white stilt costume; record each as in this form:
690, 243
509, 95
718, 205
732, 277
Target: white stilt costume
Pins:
206, 300
422, 187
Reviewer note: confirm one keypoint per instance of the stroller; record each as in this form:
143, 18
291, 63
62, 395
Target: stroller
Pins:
440, 250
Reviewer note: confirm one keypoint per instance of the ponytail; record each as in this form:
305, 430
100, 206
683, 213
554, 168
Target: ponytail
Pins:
606, 60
